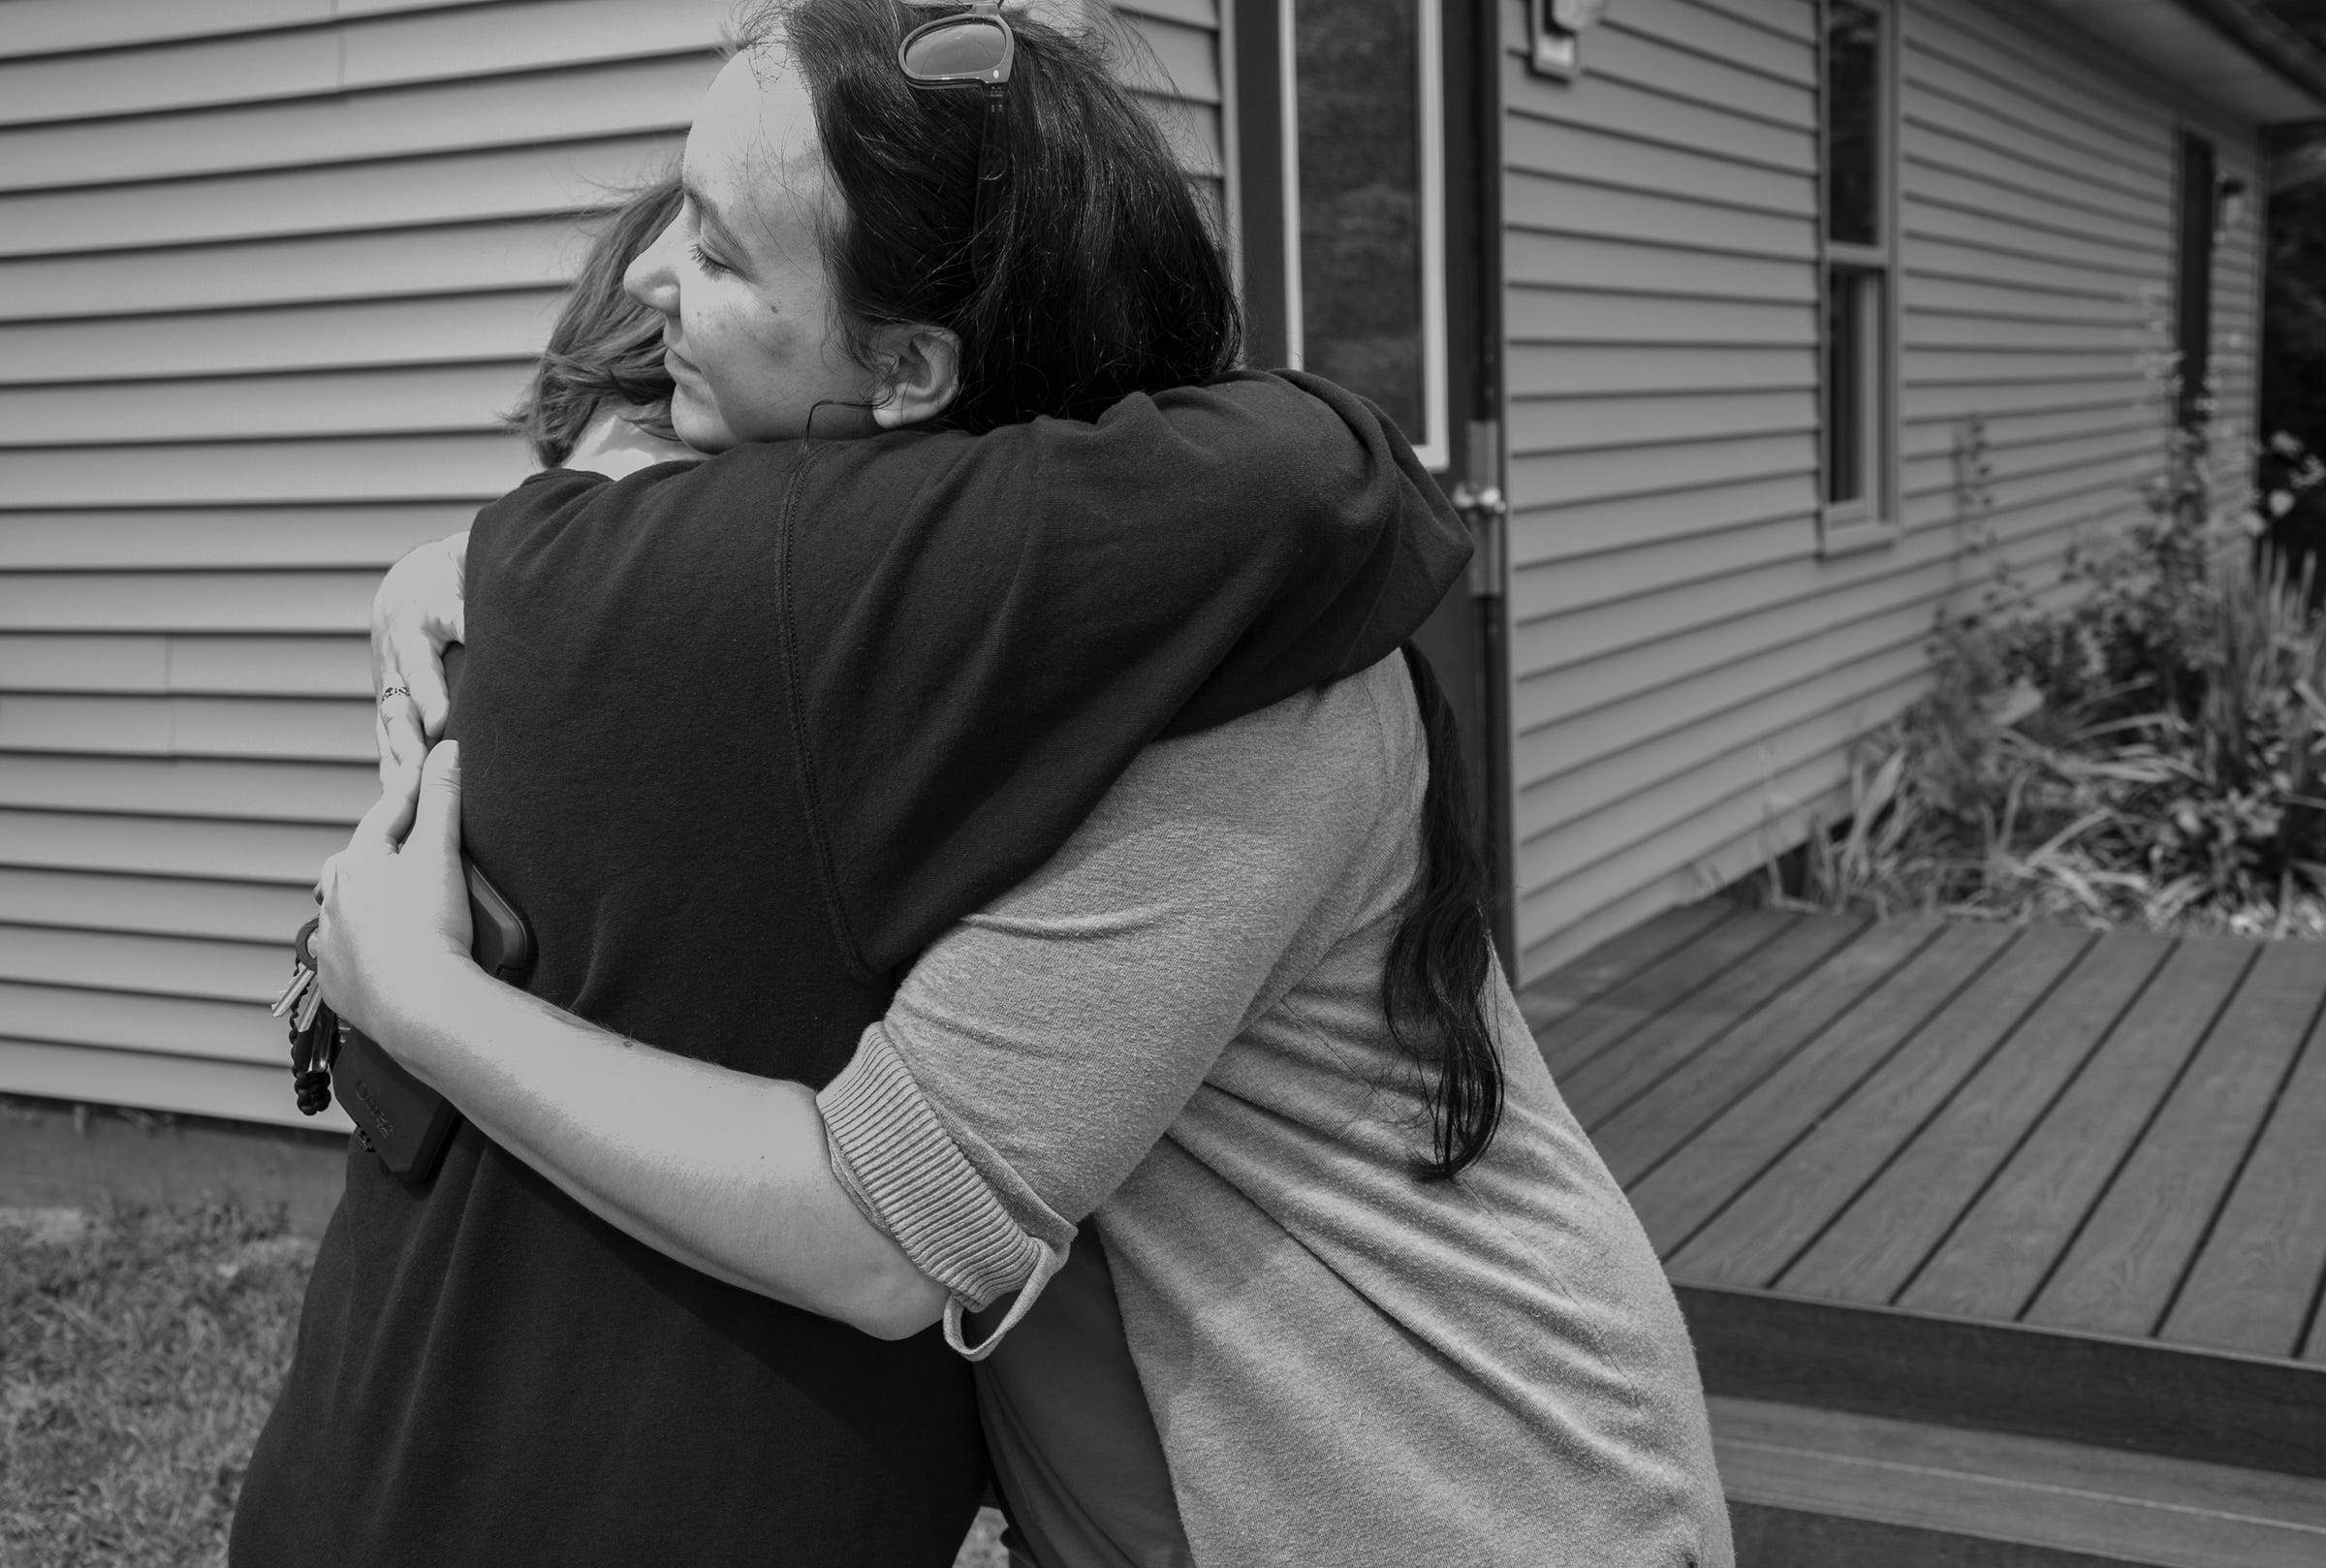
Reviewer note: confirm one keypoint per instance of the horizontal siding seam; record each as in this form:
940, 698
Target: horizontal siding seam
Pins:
181, 1053
1683, 246
1927, 157
2029, 443
2129, 105
1522, 566
1923, 308
1896, 572
1926, 382
1519, 398
1913, 199
1575, 120
209, 440
1617, 291
1912, 232
1769, 837
318, 95
1633, 695
1998, 112
1526, 508
1572, 177
1754, 15
1885, 692
2128, 184
1708, 760
2112, 461
1654, 442
1684, 43
177, 40
1667, 92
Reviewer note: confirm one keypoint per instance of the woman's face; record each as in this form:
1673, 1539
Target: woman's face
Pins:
749, 328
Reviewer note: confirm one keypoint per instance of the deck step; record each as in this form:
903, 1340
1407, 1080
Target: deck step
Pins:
1822, 1488
2175, 1402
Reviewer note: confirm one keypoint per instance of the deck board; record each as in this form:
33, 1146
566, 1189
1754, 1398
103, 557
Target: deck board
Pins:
1614, 1078
1884, 1235
2006, 1245
1702, 1176
1638, 1137
1790, 1204
2046, 1181
2120, 1274
1669, 983
1617, 959
2256, 1284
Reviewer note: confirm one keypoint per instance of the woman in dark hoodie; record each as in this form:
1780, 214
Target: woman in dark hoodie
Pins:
748, 739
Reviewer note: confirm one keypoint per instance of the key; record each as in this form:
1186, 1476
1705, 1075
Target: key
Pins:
300, 979
314, 1028
309, 1008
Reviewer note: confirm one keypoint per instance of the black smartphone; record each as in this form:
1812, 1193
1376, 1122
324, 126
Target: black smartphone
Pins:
400, 1118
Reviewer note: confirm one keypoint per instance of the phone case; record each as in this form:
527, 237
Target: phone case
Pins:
401, 1119
405, 1122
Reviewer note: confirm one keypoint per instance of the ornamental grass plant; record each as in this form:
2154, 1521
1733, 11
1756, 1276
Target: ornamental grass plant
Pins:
2145, 747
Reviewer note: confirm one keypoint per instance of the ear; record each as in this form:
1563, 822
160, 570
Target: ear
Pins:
920, 374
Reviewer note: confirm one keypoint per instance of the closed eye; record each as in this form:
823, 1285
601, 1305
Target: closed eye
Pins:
703, 260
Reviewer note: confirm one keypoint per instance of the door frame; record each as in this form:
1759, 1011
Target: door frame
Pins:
1466, 637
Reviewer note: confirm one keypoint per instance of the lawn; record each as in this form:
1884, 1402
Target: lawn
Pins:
139, 1350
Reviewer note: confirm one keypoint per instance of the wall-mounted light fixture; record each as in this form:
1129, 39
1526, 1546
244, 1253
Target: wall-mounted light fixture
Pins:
2228, 205
1555, 35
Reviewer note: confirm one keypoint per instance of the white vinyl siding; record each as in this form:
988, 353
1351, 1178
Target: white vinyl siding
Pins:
269, 272
1688, 674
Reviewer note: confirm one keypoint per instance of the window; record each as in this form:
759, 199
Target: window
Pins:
2192, 284
1354, 100
1858, 323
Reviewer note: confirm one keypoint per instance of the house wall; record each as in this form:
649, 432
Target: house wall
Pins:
269, 270
1687, 672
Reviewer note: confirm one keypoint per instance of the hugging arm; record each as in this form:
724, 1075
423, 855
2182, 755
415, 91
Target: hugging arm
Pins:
723, 1170
1033, 1056
1001, 626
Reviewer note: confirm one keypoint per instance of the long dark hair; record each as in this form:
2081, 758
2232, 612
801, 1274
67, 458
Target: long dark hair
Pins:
1099, 276
607, 347
1433, 986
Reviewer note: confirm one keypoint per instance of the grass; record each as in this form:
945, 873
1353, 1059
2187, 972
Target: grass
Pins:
139, 1352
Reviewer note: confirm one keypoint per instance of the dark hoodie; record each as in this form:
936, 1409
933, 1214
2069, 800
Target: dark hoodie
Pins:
739, 740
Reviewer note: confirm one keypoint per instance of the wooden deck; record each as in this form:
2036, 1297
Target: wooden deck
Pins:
2029, 1180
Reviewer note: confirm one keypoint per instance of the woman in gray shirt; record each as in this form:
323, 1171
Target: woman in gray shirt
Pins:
1384, 1303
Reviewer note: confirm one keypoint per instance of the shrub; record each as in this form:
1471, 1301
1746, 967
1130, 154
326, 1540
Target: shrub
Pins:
2147, 746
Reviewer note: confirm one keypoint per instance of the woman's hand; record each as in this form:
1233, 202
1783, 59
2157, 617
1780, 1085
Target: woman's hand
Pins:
616, 446
395, 931
727, 1173
420, 610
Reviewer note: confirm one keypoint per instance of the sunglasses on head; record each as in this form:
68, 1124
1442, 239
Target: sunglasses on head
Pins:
973, 50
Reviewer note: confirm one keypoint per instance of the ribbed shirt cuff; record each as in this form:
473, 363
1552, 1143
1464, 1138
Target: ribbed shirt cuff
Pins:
904, 1170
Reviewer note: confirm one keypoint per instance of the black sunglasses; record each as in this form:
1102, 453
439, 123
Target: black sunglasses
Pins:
974, 49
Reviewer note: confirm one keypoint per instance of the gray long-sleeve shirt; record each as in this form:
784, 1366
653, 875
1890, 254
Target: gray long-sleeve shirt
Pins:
1175, 1025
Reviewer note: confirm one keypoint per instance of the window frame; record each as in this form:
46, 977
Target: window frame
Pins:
1871, 519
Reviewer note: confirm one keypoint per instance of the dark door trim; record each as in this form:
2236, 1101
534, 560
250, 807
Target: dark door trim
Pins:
1466, 637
